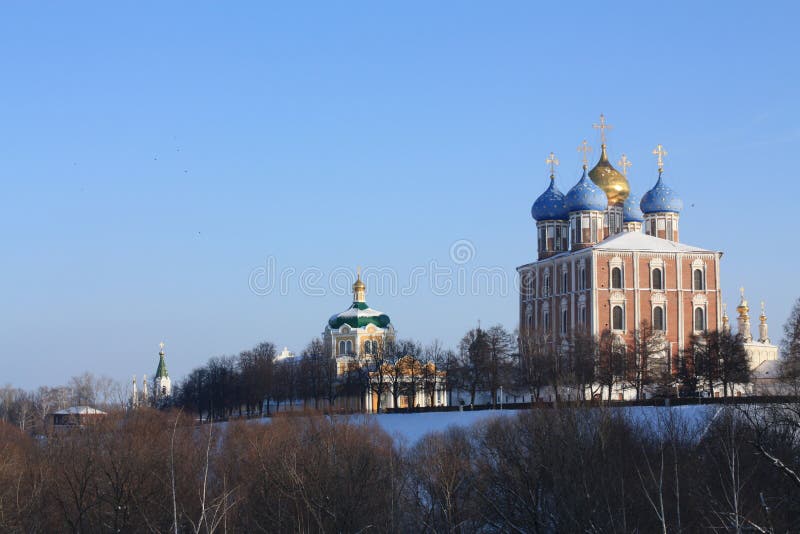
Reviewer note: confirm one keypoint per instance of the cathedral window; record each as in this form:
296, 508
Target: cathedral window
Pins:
698, 281
658, 279
582, 278
582, 315
541, 239
564, 281
558, 238
563, 322
546, 285
658, 318
546, 320
699, 320
341, 348
617, 322
616, 278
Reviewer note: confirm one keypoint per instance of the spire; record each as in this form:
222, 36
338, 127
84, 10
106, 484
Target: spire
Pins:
744, 318
726, 322
134, 394
359, 289
763, 336
161, 371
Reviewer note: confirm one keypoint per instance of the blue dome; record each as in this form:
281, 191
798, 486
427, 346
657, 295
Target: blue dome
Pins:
661, 198
631, 211
586, 196
550, 204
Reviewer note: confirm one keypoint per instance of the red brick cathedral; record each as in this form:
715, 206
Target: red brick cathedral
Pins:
608, 261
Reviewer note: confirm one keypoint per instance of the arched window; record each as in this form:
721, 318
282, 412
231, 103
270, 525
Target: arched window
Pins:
546, 285
582, 278
563, 321
582, 315
616, 278
658, 279
546, 320
530, 322
348, 347
564, 281
699, 319
658, 318
699, 283
616, 318
342, 348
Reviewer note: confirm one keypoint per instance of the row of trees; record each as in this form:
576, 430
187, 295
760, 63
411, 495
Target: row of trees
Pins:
485, 361
29, 410
565, 470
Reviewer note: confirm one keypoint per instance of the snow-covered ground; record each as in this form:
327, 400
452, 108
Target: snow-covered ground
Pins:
410, 428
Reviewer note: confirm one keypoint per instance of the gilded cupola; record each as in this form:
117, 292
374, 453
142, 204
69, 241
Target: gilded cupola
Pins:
607, 178
610, 180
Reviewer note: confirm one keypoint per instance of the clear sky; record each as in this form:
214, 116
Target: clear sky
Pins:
155, 155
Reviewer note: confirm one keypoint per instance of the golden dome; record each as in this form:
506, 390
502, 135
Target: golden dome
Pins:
359, 289
610, 180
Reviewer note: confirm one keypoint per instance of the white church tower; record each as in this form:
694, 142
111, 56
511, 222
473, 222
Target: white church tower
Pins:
162, 387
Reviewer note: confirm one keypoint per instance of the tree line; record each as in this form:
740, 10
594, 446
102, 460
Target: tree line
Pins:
544, 470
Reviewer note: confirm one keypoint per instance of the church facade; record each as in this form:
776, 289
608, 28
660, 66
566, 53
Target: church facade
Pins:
608, 261
362, 341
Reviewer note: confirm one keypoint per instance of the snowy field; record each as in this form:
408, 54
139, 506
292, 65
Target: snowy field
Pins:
409, 428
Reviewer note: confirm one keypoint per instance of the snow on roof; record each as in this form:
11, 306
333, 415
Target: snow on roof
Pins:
80, 410
637, 241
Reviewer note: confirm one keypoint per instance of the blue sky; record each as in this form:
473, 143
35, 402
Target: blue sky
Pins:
154, 155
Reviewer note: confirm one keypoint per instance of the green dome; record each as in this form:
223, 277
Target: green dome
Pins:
359, 315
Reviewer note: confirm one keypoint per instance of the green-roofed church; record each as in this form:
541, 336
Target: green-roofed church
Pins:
358, 333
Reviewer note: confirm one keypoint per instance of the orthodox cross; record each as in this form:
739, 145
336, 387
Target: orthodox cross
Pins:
585, 148
161, 345
763, 308
624, 162
659, 152
602, 127
552, 160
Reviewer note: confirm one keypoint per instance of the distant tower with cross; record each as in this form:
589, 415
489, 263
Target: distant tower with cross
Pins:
761, 351
162, 386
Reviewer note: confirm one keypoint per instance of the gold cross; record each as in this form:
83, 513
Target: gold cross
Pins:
763, 308
161, 345
624, 162
552, 160
602, 127
741, 290
659, 152
585, 148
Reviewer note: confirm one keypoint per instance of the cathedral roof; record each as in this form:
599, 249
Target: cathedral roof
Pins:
359, 315
661, 198
638, 241
586, 196
550, 204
